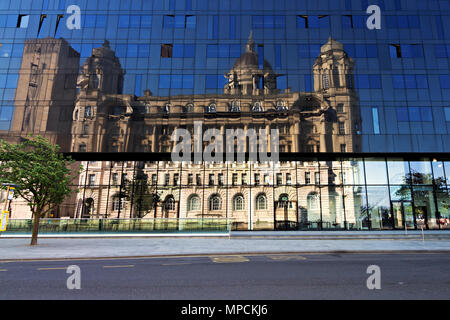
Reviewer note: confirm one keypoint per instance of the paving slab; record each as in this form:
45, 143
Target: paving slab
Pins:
11, 249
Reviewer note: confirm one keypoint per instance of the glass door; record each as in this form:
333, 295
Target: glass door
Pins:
403, 214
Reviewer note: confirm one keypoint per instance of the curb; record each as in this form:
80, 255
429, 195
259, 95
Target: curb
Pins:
193, 255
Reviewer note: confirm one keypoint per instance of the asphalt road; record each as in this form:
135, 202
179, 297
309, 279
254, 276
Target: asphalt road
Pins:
318, 276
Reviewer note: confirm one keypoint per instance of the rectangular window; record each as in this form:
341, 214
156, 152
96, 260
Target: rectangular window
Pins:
313, 22
288, 178
198, 179
307, 178
22, 21
211, 180
244, 179
317, 178
235, 179
376, 123
91, 180
267, 178
343, 148
341, 128
166, 50
154, 179
220, 179
176, 178
279, 179
406, 51
257, 180
166, 179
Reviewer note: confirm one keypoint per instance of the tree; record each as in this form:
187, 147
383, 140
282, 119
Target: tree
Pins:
140, 193
41, 171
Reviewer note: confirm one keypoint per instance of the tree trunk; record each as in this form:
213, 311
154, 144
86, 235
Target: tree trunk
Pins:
34, 236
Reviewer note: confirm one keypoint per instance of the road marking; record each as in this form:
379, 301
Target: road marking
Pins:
58, 268
125, 266
229, 259
3, 270
286, 258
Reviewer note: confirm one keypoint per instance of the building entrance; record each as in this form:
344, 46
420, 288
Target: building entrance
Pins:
403, 215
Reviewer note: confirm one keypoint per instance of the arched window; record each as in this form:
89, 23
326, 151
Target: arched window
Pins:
281, 106
283, 201
336, 78
167, 108
235, 106
325, 81
238, 202
189, 108
257, 107
169, 203
215, 203
212, 108
193, 203
261, 202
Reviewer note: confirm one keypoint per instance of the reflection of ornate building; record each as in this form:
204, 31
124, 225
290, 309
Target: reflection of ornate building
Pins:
327, 120
255, 195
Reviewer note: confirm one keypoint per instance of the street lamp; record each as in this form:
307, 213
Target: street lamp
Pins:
9, 197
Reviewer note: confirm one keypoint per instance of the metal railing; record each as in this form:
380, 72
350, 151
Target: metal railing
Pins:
121, 225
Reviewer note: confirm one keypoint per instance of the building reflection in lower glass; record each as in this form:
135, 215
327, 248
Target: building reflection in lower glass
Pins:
343, 194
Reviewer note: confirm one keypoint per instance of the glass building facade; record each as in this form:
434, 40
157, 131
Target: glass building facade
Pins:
134, 71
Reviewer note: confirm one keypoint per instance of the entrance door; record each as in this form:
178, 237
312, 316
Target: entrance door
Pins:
403, 214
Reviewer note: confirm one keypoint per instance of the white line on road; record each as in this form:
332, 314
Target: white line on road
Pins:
125, 266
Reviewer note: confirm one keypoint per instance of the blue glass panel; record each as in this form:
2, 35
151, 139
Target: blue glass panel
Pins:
426, 114
445, 81
422, 82
398, 82
402, 114
124, 21
164, 82
168, 21
258, 22
180, 22
191, 22
414, 114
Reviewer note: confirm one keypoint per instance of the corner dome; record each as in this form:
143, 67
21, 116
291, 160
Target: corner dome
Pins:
331, 45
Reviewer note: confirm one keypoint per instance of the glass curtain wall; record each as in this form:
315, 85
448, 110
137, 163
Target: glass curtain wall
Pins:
344, 194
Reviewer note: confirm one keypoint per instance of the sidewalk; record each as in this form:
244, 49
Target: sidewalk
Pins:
12, 249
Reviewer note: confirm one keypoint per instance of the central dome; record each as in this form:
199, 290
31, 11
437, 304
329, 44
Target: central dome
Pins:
249, 59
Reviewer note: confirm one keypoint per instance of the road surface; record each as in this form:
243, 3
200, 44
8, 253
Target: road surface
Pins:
310, 276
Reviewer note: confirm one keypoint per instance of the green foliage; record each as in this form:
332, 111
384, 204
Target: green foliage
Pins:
43, 173
141, 194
